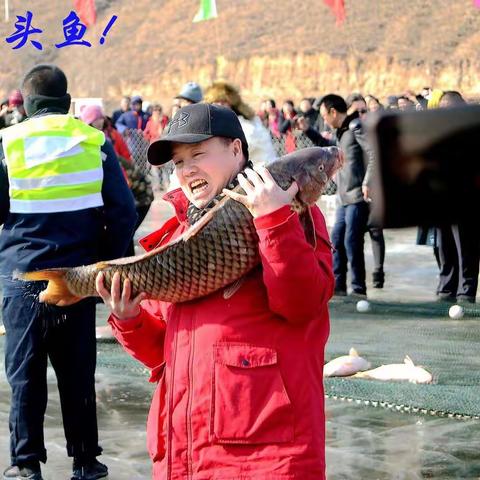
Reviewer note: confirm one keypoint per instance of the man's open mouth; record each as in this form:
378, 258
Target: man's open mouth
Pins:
198, 186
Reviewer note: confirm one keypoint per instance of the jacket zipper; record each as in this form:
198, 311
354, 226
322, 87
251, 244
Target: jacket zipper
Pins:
170, 403
189, 403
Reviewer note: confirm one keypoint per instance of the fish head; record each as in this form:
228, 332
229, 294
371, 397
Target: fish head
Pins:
312, 168
421, 376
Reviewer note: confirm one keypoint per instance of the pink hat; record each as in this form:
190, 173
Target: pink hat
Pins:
90, 113
15, 99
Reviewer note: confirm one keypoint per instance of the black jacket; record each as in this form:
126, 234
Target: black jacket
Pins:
64, 239
311, 116
358, 158
285, 124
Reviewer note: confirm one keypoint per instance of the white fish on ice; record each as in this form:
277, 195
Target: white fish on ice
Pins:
398, 371
345, 365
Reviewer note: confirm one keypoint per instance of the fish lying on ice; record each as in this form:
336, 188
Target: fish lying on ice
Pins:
345, 365
407, 371
216, 251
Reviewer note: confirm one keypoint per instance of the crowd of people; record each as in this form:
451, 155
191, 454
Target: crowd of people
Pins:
271, 132
73, 191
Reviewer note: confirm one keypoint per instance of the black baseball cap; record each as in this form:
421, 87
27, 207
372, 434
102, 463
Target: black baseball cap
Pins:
193, 124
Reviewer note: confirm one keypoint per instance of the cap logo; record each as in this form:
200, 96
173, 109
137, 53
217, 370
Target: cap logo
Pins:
180, 121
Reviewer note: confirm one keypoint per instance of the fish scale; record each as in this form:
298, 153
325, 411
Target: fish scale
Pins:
238, 254
223, 250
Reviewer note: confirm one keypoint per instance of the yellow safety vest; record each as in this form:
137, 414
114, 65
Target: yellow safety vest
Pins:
54, 164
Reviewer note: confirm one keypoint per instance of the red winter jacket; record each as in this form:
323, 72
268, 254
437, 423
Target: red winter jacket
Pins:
239, 372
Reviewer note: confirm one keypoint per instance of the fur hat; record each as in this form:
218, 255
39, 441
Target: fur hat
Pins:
223, 92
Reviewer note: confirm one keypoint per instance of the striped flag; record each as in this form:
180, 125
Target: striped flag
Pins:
207, 10
86, 11
338, 8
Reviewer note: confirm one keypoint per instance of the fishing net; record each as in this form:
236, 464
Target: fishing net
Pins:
138, 146
446, 348
283, 144
110, 355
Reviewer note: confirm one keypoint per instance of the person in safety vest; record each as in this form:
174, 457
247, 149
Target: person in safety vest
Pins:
63, 202
239, 372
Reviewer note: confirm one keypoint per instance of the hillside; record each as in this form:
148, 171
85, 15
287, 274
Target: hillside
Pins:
269, 48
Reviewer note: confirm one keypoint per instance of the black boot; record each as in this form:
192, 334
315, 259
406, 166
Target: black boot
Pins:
27, 471
89, 470
378, 278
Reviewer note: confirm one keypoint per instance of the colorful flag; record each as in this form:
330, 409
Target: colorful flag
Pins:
86, 11
338, 8
207, 10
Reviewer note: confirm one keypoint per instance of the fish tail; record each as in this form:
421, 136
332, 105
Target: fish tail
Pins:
57, 291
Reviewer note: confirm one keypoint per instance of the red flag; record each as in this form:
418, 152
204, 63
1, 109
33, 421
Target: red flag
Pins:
338, 7
86, 11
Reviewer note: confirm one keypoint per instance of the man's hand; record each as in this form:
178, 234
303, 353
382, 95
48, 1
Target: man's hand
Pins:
366, 193
302, 124
118, 300
263, 194
327, 135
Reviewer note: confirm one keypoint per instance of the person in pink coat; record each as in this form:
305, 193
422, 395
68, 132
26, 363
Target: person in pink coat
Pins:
239, 372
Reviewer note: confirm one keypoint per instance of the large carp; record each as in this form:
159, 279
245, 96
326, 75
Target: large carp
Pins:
214, 252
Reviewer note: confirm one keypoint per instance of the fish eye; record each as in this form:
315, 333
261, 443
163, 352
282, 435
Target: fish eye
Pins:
321, 168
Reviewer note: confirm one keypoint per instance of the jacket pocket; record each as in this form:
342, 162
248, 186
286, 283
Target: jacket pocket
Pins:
249, 402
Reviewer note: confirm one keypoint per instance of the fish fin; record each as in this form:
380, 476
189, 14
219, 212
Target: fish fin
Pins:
353, 353
129, 260
40, 275
57, 291
361, 375
408, 361
104, 264
306, 219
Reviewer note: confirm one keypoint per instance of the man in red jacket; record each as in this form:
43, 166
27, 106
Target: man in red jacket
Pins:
239, 372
